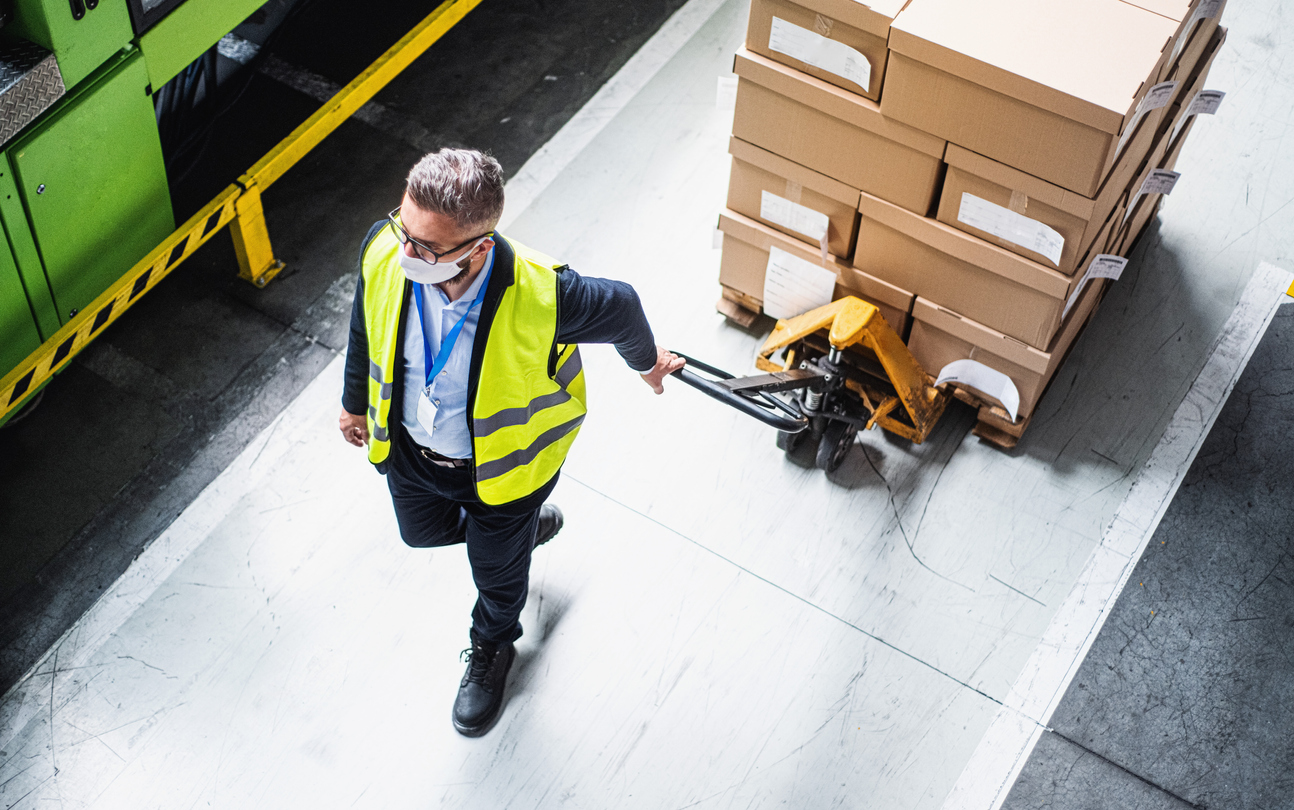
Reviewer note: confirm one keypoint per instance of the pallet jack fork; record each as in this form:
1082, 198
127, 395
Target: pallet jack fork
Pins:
839, 389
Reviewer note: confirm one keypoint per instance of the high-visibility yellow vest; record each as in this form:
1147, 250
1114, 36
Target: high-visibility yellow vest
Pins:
527, 396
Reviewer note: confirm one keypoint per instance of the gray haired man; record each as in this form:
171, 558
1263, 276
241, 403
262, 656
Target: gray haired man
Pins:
464, 378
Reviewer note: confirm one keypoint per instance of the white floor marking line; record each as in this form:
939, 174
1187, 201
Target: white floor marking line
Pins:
1011, 737
549, 162
34, 692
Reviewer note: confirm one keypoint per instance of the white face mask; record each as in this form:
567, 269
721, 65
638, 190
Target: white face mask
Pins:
421, 272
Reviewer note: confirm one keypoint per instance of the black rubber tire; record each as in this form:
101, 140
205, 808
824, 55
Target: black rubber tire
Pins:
790, 442
835, 444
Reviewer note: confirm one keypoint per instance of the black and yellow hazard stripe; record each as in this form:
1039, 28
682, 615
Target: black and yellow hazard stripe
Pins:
56, 352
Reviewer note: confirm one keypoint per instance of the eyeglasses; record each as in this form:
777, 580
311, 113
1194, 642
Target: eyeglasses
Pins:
422, 251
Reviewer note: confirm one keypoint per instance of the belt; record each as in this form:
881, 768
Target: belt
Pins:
442, 461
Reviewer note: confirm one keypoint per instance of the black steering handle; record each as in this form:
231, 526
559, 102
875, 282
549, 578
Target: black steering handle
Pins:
762, 406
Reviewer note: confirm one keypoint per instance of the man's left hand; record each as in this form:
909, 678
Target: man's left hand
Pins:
666, 363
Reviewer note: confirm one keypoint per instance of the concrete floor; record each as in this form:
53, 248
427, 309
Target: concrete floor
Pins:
717, 626
1187, 697
166, 398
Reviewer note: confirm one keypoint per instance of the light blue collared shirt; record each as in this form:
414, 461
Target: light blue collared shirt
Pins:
447, 434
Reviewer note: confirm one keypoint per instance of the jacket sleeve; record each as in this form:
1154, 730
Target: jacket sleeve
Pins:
354, 398
599, 310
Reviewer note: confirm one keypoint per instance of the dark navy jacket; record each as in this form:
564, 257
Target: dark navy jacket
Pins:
589, 310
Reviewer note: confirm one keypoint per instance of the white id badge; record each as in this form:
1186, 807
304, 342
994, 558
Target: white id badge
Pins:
426, 413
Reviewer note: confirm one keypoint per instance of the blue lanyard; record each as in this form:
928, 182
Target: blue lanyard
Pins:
447, 343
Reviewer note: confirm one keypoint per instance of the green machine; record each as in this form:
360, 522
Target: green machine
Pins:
83, 186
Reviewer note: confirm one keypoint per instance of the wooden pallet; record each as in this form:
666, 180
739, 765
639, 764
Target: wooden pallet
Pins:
738, 307
994, 425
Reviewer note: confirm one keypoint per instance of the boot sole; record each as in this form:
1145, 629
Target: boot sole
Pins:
481, 730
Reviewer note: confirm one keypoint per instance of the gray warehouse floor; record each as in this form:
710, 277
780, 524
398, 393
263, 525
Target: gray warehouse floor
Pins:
941, 626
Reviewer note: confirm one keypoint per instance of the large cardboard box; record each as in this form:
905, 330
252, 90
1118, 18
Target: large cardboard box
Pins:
995, 287
836, 133
842, 42
941, 336
746, 247
997, 192
1046, 88
791, 198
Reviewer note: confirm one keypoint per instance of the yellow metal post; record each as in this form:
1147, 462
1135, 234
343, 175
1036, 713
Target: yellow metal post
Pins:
356, 94
238, 206
256, 262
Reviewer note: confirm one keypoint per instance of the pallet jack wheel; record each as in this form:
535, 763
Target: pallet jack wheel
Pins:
790, 442
836, 441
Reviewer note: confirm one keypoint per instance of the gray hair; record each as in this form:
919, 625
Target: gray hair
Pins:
463, 184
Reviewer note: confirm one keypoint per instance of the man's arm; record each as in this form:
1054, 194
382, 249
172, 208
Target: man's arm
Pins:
598, 310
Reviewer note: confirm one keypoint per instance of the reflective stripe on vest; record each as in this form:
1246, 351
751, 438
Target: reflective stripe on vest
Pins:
523, 422
384, 287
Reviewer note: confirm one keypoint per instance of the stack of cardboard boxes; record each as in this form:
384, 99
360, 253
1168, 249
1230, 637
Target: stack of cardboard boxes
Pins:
972, 167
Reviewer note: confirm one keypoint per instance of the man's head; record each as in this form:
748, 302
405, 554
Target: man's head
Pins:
452, 197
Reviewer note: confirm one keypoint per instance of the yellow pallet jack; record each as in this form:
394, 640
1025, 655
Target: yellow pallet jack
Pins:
854, 377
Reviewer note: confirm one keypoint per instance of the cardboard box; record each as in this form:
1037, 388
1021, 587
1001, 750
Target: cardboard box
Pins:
1167, 151
1146, 207
941, 336
836, 133
1196, 23
746, 245
1078, 221
995, 287
1046, 88
1196, 81
841, 42
1175, 77
772, 189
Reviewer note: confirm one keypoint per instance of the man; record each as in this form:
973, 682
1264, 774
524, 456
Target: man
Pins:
464, 380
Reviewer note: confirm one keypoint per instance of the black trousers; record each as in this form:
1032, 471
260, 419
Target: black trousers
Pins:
437, 506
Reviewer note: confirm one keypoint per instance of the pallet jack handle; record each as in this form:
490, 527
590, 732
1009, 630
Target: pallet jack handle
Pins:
729, 390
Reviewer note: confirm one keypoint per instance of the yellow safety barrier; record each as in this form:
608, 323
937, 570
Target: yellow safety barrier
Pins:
238, 206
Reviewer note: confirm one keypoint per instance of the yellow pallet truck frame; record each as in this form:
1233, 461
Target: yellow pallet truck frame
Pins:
238, 206
850, 372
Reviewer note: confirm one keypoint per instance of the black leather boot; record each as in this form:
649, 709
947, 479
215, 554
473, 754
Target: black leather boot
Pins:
550, 523
480, 695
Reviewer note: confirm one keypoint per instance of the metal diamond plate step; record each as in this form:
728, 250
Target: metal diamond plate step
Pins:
29, 83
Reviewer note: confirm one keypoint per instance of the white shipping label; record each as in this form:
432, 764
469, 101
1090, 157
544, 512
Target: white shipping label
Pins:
793, 286
1204, 10
814, 49
725, 94
1160, 181
796, 217
1103, 266
1014, 228
983, 379
1206, 102
1155, 98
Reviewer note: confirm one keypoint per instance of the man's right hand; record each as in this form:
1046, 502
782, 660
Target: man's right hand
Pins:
354, 429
